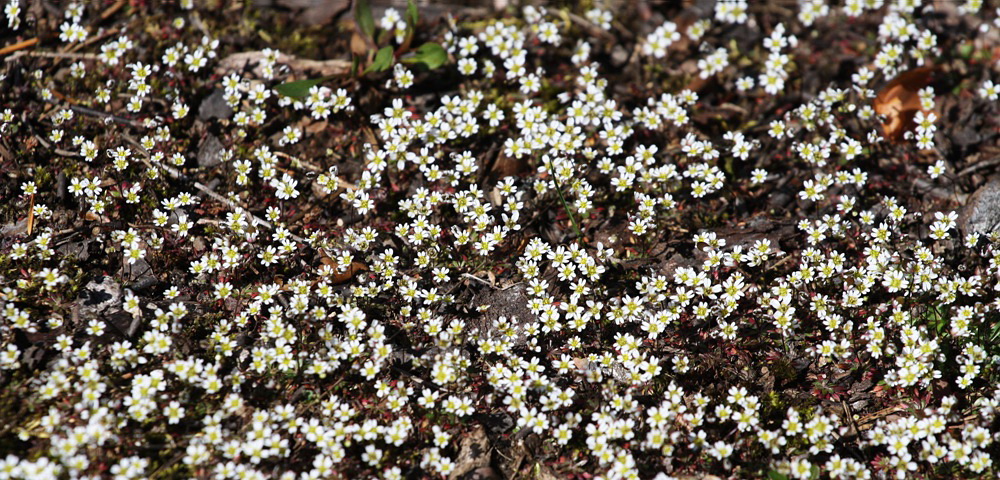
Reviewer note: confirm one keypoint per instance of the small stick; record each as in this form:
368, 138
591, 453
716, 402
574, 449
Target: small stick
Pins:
97, 113
297, 162
59, 151
778, 263
587, 25
174, 173
19, 46
57, 55
94, 39
977, 166
31, 215
473, 277
112, 9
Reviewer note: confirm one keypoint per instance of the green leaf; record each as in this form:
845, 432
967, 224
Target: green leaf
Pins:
382, 62
965, 51
363, 15
430, 54
300, 88
411, 13
776, 475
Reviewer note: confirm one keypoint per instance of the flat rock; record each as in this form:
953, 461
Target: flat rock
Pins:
215, 106
499, 422
138, 275
79, 250
473, 453
14, 229
981, 213
98, 296
210, 152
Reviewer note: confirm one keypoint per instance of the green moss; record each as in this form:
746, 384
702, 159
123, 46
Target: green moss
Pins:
772, 404
176, 470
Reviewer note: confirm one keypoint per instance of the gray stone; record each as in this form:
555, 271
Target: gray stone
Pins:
138, 275
215, 106
79, 250
99, 296
132, 271
14, 229
210, 152
499, 422
981, 214
473, 453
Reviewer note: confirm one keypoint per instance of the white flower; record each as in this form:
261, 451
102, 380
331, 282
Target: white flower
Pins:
990, 90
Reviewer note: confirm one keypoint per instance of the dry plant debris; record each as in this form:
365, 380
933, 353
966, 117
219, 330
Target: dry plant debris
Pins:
612, 240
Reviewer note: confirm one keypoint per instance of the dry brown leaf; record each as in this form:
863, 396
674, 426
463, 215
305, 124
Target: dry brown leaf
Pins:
506, 166
352, 270
899, 101
31, 215
359, 46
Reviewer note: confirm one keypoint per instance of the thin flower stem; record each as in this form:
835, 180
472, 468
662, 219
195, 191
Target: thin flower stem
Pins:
569, 213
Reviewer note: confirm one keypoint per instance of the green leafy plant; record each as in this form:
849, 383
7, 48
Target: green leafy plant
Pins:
430, 54
363, 17
378, 59
383, 60
300, 88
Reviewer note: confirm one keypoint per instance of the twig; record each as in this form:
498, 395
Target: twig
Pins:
850, 418
112, 9
176, 458
587, 25
174, 173
104, 115
866, 422
778, 263
94, 39
19, 46
58, 151
298, 162
976, 167
473, 277
69, 51
57, 55
31, 215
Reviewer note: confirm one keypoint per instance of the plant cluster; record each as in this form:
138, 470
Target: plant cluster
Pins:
497, 249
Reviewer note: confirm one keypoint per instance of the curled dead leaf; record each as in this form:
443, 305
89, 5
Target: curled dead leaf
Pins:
359, 45
338, 278
899, 101
93, 217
